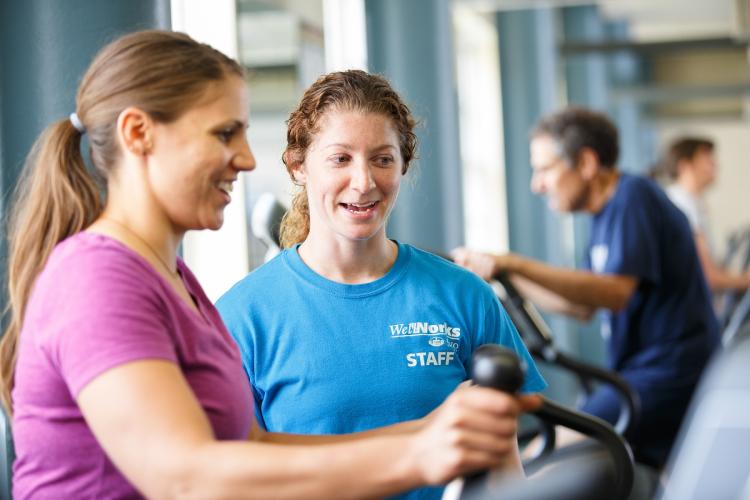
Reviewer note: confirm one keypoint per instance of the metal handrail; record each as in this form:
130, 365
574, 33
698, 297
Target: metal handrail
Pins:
538, 338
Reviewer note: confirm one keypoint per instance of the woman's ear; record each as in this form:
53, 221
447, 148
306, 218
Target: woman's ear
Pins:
299, 173
135, 129
295, 166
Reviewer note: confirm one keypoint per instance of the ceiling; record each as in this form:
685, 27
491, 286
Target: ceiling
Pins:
653, 20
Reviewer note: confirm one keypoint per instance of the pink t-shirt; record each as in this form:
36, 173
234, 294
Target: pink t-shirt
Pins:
97, 305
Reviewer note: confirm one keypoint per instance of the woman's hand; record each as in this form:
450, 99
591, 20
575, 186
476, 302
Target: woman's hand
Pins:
474, 429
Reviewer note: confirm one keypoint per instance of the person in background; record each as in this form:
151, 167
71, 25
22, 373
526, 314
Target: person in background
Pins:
347, 330
641, 270
124, 380
690, 163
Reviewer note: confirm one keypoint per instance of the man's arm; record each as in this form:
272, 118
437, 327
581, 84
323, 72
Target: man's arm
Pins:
571, 289
717, 277
550, 301
610, 291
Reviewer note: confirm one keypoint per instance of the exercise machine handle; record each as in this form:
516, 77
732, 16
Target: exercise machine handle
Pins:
497, 367
601, 431
541, 346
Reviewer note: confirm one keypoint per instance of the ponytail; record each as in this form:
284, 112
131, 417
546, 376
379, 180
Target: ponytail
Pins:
163, 73
295, 225
55, 198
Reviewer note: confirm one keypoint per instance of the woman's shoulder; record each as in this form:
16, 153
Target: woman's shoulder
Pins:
91, 272
441, 267
268, 277
96, 270
85, 255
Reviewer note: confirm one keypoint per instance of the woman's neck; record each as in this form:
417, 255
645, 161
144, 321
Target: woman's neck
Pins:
351, 262
132, 205
150, 238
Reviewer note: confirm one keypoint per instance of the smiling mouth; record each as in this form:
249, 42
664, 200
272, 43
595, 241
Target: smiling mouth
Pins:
226, 186
359, 208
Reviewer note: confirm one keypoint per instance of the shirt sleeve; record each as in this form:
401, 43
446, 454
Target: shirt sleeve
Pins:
100, 314
234, 311
633, 248
499, 329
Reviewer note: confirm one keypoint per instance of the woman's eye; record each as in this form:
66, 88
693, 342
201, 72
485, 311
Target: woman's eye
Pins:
339, 159
384, 161
225, 136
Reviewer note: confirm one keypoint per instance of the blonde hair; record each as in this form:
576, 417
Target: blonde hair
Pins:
160, 72
345, 90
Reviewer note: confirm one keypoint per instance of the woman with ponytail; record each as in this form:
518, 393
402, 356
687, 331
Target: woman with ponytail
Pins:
56, 198
347, 331
121, 379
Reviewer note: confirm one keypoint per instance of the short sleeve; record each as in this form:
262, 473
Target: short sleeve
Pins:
97, 313
499, 329
633, 249
234, 312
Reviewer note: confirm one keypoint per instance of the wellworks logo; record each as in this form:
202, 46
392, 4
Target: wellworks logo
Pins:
423, 328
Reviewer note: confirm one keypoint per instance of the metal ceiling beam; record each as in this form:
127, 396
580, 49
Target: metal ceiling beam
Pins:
722, 43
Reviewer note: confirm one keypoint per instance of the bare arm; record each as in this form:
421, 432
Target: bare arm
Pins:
610, 291
152, 427
581, 288
512, 463
550, 301
717, 277
259, 434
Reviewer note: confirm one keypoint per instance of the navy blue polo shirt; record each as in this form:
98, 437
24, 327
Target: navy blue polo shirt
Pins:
667, 331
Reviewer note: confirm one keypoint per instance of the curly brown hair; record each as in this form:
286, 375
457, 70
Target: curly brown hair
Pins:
352, 90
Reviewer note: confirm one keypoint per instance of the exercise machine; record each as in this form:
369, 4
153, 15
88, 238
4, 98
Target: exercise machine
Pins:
538, 339
602, 468
710, 457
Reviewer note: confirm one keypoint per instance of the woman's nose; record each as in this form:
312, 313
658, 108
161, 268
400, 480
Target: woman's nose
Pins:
244, 158
362, 180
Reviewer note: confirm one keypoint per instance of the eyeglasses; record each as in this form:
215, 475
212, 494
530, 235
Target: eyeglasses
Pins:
551, 165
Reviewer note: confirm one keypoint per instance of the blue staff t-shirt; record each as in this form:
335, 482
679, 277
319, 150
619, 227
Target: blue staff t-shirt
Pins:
331, 358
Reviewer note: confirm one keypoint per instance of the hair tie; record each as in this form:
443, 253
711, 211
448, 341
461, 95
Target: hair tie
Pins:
77, 124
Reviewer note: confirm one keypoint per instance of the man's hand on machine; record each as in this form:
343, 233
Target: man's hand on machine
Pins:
486, 265
474, 429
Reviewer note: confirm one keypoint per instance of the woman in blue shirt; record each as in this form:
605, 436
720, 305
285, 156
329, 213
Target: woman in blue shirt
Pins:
347, 330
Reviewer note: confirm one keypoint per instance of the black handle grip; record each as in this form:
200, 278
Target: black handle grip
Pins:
497, 367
